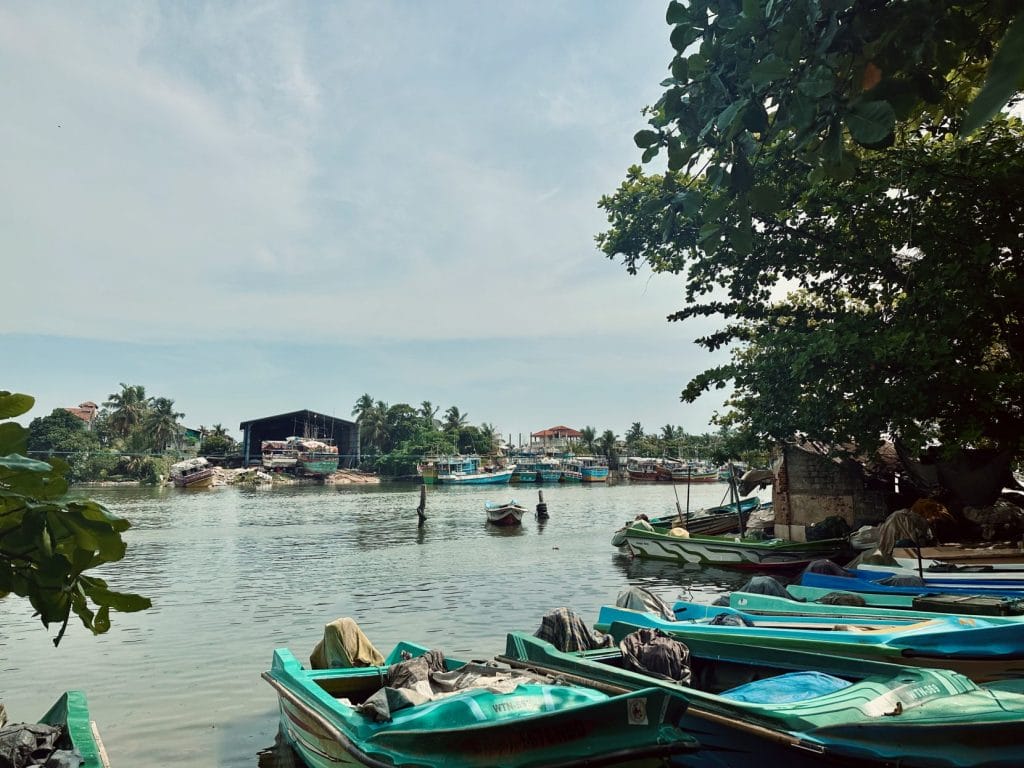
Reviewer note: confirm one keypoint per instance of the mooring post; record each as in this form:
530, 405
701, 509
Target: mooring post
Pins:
542, 508
421, 510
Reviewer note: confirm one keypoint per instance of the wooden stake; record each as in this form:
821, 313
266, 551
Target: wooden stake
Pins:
421, 510
542, 508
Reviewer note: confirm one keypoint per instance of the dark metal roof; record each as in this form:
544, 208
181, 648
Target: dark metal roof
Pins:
305, 413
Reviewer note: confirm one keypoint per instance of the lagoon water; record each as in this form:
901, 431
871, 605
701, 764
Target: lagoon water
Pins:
234, 573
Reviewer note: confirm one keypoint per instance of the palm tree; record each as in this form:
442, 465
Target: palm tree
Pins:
490, 437
428, 411
373, 426
363, 405
587, 437
127, 408
162, 423
454, 420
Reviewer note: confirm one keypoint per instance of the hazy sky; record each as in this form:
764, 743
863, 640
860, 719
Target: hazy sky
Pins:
255, 208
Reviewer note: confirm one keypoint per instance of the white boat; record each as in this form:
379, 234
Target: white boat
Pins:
192, 473
510, 513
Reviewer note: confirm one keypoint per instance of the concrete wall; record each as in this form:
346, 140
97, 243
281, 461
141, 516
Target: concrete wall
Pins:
810, 487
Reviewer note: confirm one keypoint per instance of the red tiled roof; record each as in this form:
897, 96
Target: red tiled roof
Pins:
559, 431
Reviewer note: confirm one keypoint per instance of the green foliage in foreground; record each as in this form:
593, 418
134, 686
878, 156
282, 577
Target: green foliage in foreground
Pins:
48, 541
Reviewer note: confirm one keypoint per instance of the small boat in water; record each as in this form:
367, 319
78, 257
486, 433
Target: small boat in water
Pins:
754, 706
192, 473
65, 736
675, 471
418, 709
964, 604
906, 583
509, 513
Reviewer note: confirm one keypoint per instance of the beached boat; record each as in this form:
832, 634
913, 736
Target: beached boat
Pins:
278, 454
346, 716
509, 513
468, 470
753, 706
983, 649
66, 735
315, 457
726, 551
192, 473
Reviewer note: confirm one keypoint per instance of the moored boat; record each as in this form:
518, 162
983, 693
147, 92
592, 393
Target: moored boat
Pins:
468, 470
524, 471
641, 470
66, 735
980, 648
937, 602
858, 580
753, 706
549, 470
593, 469
726, 551
192, 473
487, 715
685, 472
509, 513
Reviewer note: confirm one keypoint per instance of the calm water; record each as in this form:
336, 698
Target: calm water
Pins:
234, 573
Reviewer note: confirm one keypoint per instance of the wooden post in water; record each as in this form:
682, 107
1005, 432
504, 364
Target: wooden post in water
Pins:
421, 510
542, 508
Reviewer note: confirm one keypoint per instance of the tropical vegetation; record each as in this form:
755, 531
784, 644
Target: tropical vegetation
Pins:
841, 190
49, 541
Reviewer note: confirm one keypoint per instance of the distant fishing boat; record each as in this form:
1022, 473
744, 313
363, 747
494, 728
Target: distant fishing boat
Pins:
549, 470
686, 472
192, 473
278, 454
593, 469
642, 470
315, 457
525, 470
468, 470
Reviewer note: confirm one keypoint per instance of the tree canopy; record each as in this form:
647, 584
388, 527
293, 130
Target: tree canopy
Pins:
49, 541
818, 147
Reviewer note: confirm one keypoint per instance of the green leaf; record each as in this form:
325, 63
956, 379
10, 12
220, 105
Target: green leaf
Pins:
680, 69
649, 154
677, 13
765, 199
682, 37
19, 463
870, 122
752, 9
768, 69
697, 64
817, 82
728, 115
646, 138
1005, 78
13, 438
12, 404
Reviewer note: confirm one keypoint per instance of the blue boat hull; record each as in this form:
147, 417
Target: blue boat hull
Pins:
868, 581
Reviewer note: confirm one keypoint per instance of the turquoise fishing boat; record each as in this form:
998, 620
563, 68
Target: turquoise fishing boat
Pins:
74, 740
549, 470
857, 580
593, 469
961, 604
771, 605
469, 470
333, 717
980, 648
752, 706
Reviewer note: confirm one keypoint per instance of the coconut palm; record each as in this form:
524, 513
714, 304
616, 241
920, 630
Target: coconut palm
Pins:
428, 411
127, 409
489, 436
374, 430
161, 423
454, 420
363, 405
587, 437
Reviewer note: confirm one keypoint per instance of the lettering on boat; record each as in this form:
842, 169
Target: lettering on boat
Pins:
515, 705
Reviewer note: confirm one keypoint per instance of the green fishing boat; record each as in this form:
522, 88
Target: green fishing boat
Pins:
332, 717
73, 738
961, 604
753, 706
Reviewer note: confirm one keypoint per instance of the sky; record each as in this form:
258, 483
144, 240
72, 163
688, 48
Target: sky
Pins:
259, 207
